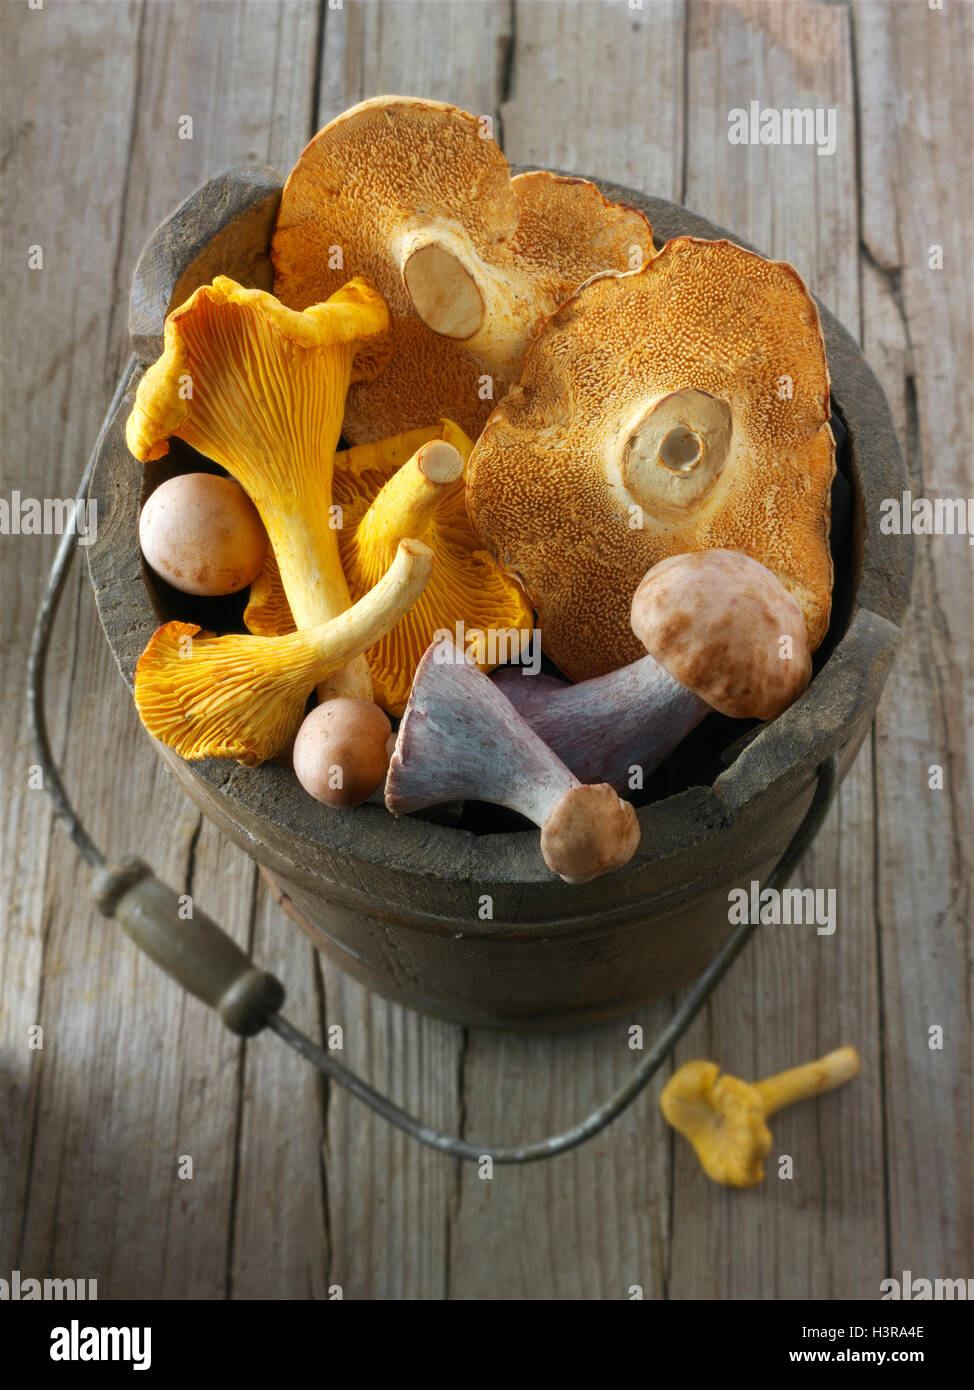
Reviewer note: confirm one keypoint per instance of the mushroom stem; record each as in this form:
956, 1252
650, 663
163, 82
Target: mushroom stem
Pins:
408, 501
304, 542
606, 727
397, 449
443, 291
267, 613
306, 550
460, 739
243, 697
812, 1079
408, 485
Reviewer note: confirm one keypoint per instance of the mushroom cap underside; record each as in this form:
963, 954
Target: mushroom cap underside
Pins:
238, 360
677, 408
396, 176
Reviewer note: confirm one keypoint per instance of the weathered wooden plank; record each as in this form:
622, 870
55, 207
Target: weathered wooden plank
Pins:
390, 1199
228, 82
787, 200
797, 994
50, 413
281, 1240
597, 88
591, 1224
135, 1073
596, 1221
423, 48
391, 1202
918, 194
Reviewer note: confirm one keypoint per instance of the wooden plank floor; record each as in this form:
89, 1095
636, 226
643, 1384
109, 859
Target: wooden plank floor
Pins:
295, 1188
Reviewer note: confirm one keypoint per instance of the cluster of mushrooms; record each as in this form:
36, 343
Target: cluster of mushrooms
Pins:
551, 425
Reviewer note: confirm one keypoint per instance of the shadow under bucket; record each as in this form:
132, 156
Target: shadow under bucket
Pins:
399, 904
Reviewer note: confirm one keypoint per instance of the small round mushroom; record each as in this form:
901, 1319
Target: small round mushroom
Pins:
721, 633
202, 534
341, 753
682, 407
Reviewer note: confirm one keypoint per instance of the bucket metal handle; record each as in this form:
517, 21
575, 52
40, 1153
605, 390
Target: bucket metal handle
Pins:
202, 958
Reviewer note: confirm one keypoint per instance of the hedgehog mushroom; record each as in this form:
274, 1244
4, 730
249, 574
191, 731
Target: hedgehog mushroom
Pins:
417, 196
243, 697
720, 632
681, 407
412, 485
260, 390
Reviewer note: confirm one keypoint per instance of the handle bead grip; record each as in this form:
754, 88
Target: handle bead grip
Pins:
194, 951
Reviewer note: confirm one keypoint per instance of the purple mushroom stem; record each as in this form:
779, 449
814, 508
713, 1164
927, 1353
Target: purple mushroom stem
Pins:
612, 727
461, 739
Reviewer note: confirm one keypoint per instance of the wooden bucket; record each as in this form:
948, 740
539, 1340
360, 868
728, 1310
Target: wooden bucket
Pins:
403, 905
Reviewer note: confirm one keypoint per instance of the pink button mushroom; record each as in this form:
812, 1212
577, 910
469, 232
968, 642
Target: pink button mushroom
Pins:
202, 534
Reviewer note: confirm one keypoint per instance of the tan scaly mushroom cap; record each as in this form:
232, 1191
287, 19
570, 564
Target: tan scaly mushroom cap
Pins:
411, 485
678, 408
418, 197
724, 627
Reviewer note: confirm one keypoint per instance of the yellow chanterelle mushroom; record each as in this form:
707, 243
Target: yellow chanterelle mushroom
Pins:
724, 1118
243, 697
260, 390
412, 485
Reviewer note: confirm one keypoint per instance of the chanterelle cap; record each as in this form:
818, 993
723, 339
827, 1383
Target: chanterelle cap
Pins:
681, 407
724, 627
417, 195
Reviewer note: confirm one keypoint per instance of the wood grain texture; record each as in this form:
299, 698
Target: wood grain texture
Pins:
919, 335
297, 1191
798, 994
600, 89
132, 1076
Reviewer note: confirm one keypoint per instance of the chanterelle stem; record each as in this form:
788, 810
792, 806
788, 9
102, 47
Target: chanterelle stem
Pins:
812, 1079
407, 503
306, 547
